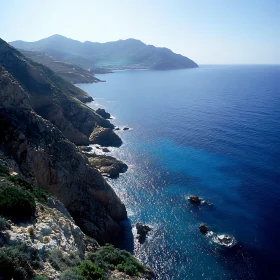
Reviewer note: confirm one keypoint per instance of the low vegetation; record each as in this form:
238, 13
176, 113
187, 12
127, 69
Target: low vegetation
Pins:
109, 258
18, 197
61, 261
18, 262
16, 203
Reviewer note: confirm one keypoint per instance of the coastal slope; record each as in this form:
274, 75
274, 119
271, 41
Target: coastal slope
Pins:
36, 111
122, 54
66, 70
52, 97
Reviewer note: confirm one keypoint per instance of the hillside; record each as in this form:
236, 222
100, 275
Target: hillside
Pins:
52, 97
68, 71
122, 54
56, 209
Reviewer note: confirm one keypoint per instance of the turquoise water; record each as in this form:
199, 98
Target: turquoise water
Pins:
214, 132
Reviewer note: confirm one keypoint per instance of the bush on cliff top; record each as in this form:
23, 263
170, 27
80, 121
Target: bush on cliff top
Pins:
40, 194
87, 270
16, 203
109, 258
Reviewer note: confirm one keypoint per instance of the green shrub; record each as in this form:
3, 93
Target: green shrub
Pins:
18, 262
41, 277
90, 271
61, 261
108, 258
20, 182
71, 274
16, 203
3, 224
40, 194
4, 170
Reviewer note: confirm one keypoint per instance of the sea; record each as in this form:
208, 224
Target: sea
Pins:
214, 132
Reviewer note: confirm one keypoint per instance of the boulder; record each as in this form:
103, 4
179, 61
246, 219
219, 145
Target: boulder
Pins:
142, 231
203, 228
108, 166
194, 199
105, 137
117, 128
103, 113
126, 128
105, 150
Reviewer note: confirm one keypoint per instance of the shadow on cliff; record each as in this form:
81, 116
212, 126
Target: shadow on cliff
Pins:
126, 241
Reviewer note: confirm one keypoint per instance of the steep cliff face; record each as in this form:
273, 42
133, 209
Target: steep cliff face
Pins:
52, 97
52, 162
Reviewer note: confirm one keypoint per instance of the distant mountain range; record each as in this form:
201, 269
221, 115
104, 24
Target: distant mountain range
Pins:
100, 57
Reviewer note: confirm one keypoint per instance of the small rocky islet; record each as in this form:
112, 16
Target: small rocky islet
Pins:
142, 232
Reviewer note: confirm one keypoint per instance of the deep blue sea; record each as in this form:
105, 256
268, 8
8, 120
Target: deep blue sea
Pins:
213, 131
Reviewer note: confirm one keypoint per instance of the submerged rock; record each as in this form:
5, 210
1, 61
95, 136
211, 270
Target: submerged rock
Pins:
203, 228
105, 137
194, 199
108, 166
142, 231
103, 113
85, 148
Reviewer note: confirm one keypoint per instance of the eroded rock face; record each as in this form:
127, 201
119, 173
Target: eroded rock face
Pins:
108, 165
105, 137
103, 113
55, 164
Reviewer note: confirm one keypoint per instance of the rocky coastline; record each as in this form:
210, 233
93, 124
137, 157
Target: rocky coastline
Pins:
43, 119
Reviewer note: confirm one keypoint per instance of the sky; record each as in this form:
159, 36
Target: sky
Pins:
206, 31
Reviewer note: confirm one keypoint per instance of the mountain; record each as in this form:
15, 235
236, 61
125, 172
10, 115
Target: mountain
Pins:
68, 71
122, 54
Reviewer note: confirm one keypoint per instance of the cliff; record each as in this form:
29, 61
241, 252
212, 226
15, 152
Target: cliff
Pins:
49, 160
122, 54
40, 240
53, 98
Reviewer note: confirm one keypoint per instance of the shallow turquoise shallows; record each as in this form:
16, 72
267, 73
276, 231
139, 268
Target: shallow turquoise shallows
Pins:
214, 132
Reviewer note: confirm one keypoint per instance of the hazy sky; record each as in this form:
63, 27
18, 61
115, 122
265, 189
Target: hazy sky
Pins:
207, 31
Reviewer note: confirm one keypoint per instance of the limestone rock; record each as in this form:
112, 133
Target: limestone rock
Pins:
105, 137
107, 165
103, 113
56, 165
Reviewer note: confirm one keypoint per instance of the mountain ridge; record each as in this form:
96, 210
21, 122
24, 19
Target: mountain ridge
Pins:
122, 54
